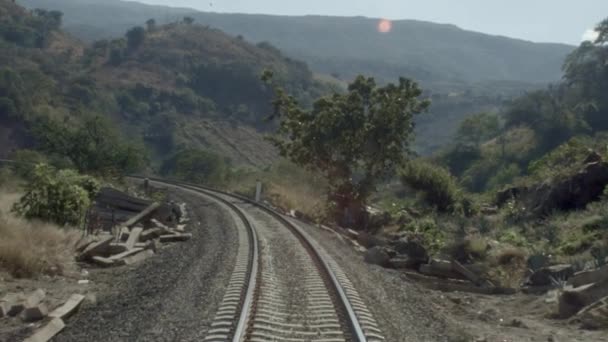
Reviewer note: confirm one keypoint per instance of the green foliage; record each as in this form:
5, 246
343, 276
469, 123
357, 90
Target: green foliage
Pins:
477, 129
354, 139
197, 166
25, 162
514, 238
505, 175
61, 197
437, 186
94, 146
427, 232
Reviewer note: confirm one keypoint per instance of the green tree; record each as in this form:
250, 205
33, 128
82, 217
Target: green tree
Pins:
353, 138
94, 146
188, 20
135, 37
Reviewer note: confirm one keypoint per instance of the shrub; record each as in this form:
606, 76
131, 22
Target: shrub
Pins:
437, 186
197, 166
60, 197
25, 160
426, 231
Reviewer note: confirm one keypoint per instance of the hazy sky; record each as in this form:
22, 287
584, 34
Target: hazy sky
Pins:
537, 20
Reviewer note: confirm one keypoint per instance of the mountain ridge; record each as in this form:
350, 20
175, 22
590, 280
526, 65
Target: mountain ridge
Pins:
347, 46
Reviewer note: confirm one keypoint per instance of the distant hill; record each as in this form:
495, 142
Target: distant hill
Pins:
342, 46
170, 86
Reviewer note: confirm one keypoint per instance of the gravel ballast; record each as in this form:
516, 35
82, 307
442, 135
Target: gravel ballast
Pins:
172, 296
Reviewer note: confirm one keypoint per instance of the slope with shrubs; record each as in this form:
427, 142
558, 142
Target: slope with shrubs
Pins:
170, 87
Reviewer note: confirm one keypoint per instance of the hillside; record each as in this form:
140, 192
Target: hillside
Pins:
345, 47
171, 87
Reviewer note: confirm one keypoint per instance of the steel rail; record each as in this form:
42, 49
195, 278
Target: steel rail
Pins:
352, 321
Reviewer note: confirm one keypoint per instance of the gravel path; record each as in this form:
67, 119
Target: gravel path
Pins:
172, 296
402, 310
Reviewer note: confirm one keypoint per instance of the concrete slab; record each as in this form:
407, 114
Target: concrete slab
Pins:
68, 308
47, 332
134, 237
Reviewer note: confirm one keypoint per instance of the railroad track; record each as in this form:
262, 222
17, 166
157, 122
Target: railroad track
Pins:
284, 287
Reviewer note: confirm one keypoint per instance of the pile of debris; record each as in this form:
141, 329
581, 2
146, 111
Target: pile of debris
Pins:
131, 236
33, 308
582, 297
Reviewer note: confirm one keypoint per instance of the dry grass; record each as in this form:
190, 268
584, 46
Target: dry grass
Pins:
29, 248
301, 197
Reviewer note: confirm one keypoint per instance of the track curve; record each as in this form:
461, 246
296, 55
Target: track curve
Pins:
284, 287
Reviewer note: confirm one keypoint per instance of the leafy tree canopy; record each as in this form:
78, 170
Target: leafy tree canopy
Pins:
353, 138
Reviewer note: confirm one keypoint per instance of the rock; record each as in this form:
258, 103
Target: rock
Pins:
588, 277
34, 313
548, 275
403, 262
175, 237
377, 256
440, 268
47, 332
97, 248
68, 308
377, 220
572, 301
571, 193
368, 240
412, 249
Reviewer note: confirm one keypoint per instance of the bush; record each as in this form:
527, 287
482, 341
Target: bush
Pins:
437, 186
25, 160
60, 197
426, 231
197, 166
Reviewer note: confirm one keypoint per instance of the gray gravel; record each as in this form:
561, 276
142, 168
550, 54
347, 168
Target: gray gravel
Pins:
403, 311
172, 296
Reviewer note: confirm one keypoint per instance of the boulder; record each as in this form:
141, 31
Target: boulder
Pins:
368, 240
548, 275
440, 268
412, 249
377, 256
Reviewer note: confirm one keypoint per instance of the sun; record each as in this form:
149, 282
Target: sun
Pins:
385, 26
